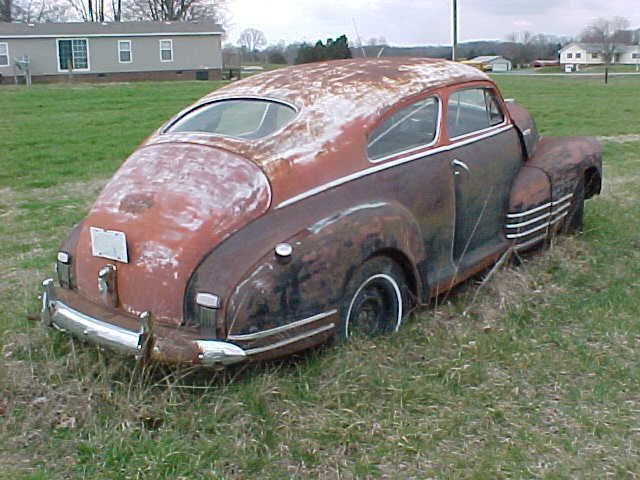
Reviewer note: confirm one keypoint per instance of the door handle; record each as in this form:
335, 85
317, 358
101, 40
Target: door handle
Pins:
458, 165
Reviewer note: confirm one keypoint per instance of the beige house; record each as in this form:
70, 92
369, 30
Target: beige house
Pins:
576, 55
111, 51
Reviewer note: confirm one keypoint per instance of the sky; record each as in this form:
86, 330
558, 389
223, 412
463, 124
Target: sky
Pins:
419, 22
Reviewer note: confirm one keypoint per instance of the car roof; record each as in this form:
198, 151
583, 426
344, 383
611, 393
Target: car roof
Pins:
337, 102
370, 82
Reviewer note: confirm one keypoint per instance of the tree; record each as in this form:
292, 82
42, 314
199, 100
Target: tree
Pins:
332, 50
89, 10
177, 10
608, 34
6, 9
252, 39
39, 11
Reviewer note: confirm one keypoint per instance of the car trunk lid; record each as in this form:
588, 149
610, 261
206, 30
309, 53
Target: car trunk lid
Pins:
174, 202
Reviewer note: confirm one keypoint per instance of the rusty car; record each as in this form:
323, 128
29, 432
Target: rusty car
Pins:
314, 202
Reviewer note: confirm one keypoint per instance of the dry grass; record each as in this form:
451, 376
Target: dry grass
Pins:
535, 375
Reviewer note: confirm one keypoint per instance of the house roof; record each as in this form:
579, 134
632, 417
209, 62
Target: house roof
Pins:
596, 48
486, 59
35, 30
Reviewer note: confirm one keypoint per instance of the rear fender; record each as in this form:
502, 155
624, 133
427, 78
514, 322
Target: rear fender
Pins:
279, 291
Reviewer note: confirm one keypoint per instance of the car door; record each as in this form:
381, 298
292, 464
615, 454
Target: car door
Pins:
420, 178
485, 157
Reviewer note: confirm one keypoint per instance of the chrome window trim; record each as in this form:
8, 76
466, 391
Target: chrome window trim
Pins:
183, 114
288, 341
383, 166
476, 132
419, 147
283, 328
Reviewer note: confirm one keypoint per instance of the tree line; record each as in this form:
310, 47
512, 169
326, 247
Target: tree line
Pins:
40, 11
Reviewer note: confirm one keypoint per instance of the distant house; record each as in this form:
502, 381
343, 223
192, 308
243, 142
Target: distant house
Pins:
576, 55
490, 63
119, 51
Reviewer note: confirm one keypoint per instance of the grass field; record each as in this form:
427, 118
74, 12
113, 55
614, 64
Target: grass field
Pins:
535, 375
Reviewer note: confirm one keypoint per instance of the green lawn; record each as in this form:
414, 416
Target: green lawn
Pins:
535, 375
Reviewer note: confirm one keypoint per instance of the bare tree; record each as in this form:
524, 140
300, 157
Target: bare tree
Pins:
38, 11
608, 34
6, 9
89, 10
252, 39
116, 8
177, 10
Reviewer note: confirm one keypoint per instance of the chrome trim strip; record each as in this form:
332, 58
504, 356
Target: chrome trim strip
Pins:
528, 212
287, 341
528, 243
560, 209
528, 222
555, 212
560, 200
556, 220
283, 328
384, 166
528, 232
541, 207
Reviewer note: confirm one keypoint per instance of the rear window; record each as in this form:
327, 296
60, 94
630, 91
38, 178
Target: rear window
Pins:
411, 127
243, 118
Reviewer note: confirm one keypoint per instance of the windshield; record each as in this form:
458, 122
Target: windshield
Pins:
248, 119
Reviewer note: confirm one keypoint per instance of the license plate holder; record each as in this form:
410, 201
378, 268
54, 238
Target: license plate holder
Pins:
109, 244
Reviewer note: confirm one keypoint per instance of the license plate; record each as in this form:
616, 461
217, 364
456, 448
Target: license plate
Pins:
109, 244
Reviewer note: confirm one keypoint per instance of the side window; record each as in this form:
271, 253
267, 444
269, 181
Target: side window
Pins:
411, 127
471, 110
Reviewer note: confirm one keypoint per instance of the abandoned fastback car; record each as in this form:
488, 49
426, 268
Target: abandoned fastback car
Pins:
311, 202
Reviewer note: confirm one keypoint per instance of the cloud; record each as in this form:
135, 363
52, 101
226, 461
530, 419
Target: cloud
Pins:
405, 22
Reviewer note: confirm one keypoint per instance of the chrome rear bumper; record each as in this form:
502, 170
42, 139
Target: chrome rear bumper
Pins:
57, 314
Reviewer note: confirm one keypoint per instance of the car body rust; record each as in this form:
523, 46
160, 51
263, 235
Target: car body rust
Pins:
202, 212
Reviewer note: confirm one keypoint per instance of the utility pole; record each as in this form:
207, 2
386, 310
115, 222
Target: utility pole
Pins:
455, 30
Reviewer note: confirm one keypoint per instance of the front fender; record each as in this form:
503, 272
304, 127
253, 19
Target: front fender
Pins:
566, 160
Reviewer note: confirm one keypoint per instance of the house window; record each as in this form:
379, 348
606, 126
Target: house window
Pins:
166, 50
124, 51
4, 54
569, 55
578, 55
73, 54
635, 56
595, 55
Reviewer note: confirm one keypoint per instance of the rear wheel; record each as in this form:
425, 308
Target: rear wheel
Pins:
376, 300
574, 221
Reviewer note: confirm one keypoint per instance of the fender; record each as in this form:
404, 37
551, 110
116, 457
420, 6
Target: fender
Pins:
567, 160
271, 292
278, 291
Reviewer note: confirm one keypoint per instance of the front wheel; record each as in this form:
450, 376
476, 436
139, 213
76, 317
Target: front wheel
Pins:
376, 300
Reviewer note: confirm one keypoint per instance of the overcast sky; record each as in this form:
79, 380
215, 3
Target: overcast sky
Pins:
419, 22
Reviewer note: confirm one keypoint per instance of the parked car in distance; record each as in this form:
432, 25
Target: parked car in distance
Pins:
315, 201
